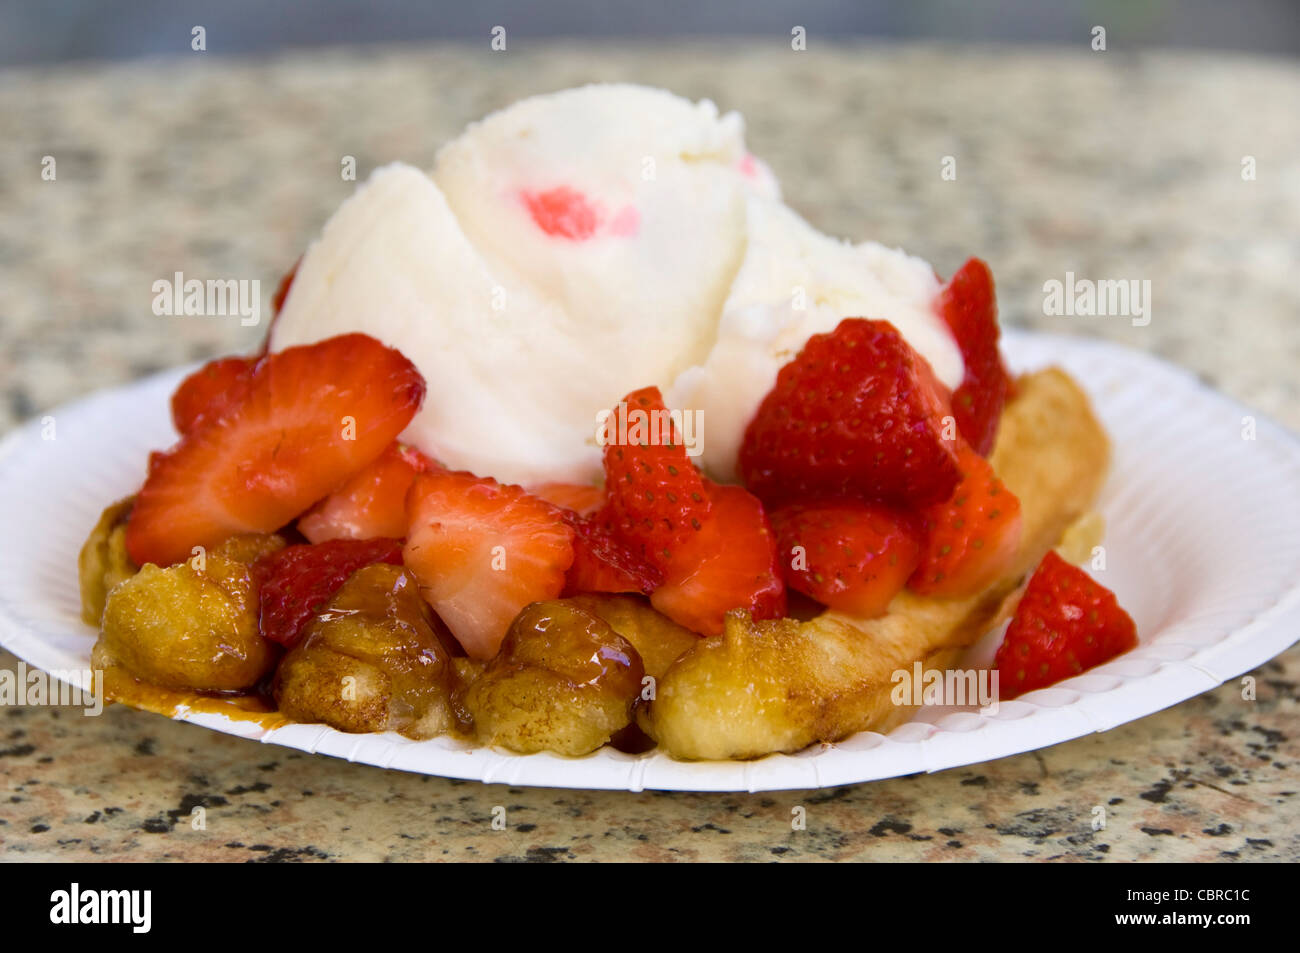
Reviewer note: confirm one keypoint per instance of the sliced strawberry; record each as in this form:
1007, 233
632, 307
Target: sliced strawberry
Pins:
969, 305
297, 581
277, 302
657, 501
1066, 623
282, 289
211, 391
583, 498
482, 551
312, 418
732, 563
970, 539
851, 556
372, 503
604, 563
855, 415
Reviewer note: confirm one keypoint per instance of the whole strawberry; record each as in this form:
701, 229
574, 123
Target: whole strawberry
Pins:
1066, 623
857, 414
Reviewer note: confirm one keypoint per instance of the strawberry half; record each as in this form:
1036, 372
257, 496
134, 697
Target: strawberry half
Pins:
482, 551
851, 556
857, 414
970, 539
1066, 623
656, 497
295, 582
372, 503
732, 563
604, 563
211, 392
312, 418
968, 304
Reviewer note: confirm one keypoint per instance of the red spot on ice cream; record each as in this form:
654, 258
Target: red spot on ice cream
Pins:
563, 212
748, 166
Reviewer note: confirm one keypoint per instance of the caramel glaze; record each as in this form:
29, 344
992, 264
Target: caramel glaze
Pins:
258, 708
120, 687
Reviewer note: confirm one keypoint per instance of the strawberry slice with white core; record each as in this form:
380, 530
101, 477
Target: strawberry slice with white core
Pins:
311, 418
481, 552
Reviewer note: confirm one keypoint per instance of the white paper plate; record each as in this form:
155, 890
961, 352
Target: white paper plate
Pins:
1202, 546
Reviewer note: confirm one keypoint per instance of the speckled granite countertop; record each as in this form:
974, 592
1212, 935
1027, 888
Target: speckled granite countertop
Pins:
1108, 165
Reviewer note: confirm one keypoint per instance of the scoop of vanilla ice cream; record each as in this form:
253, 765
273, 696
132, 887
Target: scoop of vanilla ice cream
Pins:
622, 205
580, 245
796, 282
508, 387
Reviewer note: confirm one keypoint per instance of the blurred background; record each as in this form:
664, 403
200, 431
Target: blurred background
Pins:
1170, 156
56, 30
